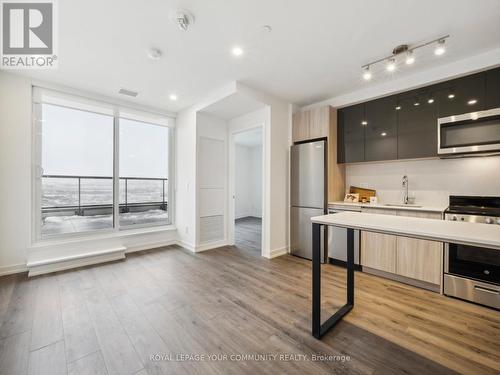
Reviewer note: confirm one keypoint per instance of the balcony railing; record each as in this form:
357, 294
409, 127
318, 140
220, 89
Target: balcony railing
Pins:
126, 205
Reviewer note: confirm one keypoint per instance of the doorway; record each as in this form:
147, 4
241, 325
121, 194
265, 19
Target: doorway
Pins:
248, 188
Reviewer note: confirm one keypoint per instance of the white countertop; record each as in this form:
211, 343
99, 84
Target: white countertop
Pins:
409, 207
482, 235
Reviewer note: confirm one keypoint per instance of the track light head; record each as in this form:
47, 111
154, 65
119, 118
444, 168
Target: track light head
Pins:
440, 48
367, 75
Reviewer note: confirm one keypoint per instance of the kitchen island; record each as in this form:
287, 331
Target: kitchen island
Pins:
480, 235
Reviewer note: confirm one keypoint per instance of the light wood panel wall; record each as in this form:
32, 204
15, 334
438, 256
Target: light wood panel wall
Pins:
336, 172
300, 126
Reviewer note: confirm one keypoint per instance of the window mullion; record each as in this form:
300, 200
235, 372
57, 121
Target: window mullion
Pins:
116, 170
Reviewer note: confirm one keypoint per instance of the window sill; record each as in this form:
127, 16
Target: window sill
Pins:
101, 236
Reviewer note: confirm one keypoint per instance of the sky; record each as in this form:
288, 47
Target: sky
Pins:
80, 143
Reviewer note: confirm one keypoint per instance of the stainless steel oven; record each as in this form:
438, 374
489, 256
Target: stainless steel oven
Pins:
472, 273
470, 133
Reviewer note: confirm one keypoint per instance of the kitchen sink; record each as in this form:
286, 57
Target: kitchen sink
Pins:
402, 205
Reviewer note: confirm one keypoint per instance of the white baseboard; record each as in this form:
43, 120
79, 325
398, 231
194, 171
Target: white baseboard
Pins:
241, 216
15, 268
59, 264
186, 245
153, 245
210, 246
278, 252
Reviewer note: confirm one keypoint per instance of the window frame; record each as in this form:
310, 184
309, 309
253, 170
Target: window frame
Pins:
117, 111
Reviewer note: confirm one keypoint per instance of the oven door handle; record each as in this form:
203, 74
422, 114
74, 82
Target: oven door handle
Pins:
487, 290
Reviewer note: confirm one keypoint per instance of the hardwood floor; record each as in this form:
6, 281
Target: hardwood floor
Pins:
248, 233
111, 318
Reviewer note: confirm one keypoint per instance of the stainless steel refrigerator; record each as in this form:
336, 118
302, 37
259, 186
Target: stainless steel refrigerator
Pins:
308, 195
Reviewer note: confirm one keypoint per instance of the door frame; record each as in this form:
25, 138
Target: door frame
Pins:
232, 184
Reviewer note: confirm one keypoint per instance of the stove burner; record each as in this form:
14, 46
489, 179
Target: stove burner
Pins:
474, 209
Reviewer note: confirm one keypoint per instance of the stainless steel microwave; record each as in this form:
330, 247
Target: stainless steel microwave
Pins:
470, 133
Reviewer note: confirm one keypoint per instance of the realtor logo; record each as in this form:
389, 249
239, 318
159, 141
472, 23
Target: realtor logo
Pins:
28, 34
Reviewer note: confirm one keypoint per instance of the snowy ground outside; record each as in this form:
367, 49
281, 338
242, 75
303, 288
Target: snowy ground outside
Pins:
73, 224
63, 192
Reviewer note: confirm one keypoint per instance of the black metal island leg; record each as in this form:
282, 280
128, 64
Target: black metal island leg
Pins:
318, 329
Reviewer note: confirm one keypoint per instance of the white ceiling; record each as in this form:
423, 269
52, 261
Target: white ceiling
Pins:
233, 106
250, 138
314, 51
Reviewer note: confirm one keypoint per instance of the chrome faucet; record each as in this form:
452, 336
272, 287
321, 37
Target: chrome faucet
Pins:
405, 189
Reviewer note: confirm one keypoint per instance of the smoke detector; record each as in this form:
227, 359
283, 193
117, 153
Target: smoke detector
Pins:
154, 54
182, 19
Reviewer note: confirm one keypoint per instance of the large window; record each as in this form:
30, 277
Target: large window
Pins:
143, 173
100, 167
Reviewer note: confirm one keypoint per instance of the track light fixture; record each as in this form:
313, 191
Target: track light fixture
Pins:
391, 65
367, 75
409, 56
440, 49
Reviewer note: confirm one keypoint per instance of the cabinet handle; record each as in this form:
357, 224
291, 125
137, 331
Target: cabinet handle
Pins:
487, 290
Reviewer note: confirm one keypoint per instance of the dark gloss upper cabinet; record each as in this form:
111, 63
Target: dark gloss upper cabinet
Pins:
395, 128
351, 134
493, 88
381, 129
462, 95
417, 125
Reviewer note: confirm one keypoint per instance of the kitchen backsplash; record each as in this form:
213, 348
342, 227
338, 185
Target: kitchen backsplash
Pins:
430, 181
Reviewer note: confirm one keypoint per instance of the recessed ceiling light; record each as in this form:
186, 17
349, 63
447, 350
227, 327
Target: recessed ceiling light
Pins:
173, 97
364, 122
267, 28
472, 102
154, 54
440, 49
383, 134
391, 65
416, 103
430, 100
237, 51
451, 95
367, 75
398, 108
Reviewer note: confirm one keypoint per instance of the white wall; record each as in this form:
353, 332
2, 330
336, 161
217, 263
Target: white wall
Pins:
16, 245
432, 181
15, 171
256, 182
277, 140
212, 180
185, 177
248, 181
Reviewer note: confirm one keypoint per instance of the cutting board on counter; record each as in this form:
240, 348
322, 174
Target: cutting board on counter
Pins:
363, 193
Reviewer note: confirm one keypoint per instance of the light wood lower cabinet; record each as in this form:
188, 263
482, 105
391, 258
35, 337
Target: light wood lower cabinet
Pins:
419, 259
416, 259
378, 251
